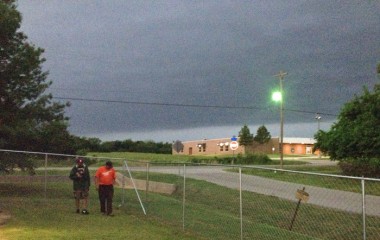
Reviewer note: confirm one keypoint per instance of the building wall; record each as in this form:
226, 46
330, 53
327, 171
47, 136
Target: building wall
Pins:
296, 146
208, 147
298, 149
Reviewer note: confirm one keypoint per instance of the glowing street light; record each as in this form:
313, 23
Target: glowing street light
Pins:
277, 96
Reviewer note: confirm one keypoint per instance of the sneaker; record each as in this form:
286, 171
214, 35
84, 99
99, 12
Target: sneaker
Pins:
78, 211
84, 211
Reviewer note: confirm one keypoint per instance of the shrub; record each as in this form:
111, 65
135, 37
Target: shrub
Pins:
249, 159
224, 160
23, 162
254, 159
363, 167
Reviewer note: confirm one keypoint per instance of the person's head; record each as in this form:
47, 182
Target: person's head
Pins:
109, 165
80, 162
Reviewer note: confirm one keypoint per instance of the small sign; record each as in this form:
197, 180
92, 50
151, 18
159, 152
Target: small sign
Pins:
302, 195
234, 138
234, 145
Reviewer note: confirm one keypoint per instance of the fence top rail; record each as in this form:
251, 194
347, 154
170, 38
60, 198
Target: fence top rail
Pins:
70, 155
40, 153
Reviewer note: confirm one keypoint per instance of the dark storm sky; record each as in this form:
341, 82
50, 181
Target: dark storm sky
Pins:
174, 54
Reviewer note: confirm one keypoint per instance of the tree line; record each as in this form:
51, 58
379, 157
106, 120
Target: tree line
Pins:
85, 145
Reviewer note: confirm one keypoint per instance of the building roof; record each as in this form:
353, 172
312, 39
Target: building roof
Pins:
299, 140
206, 140
290, 140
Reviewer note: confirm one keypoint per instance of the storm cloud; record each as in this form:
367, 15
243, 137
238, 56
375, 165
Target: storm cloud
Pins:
170, 66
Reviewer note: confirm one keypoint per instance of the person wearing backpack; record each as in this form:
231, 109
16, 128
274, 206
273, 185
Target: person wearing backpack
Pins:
81, 185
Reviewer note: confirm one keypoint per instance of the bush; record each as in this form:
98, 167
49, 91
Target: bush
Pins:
225, 160
253, 159
250, 159
201, 160
10, 162
82, 152
196, 160
363, 167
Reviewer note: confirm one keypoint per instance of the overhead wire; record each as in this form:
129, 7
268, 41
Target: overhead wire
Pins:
186, 105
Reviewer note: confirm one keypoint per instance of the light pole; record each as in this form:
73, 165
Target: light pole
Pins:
280, 98
318, 117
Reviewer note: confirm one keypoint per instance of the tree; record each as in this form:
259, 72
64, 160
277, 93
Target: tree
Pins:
245, 136
262, 135
354, 139
29, 119
177, 146
84, 145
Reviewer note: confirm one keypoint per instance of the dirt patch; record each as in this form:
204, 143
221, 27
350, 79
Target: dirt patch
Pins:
41, 179
4, 217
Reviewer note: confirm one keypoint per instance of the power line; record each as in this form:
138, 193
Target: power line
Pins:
158, 104
185, 105
303, 111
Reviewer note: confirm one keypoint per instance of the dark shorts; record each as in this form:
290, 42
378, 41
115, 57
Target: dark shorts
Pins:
81, 194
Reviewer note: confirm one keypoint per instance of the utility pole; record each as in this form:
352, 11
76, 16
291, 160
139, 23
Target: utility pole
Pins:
318, 117
281, 75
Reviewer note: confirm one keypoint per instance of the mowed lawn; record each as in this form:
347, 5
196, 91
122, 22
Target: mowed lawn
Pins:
34, 217
211, 212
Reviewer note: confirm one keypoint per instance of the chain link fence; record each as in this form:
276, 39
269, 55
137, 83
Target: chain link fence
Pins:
219, 201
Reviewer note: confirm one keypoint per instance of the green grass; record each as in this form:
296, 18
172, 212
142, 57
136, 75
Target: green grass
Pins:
119, 157
33, 217
344, 184
152, 157
214, 210
211, 212
95, 159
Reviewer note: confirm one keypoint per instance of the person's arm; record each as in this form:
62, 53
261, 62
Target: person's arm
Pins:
73, 175
96, 180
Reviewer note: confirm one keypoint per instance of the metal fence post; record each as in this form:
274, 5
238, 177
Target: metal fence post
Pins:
241, 205
363, 205
147, 182
123, 195
183, 197
45, 188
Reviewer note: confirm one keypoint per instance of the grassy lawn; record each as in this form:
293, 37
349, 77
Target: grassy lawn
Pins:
151, 157
214, 211
33, 217
351, 185
162, 158
211, 212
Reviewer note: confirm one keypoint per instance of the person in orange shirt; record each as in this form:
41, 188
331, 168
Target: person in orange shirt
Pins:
104, 181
